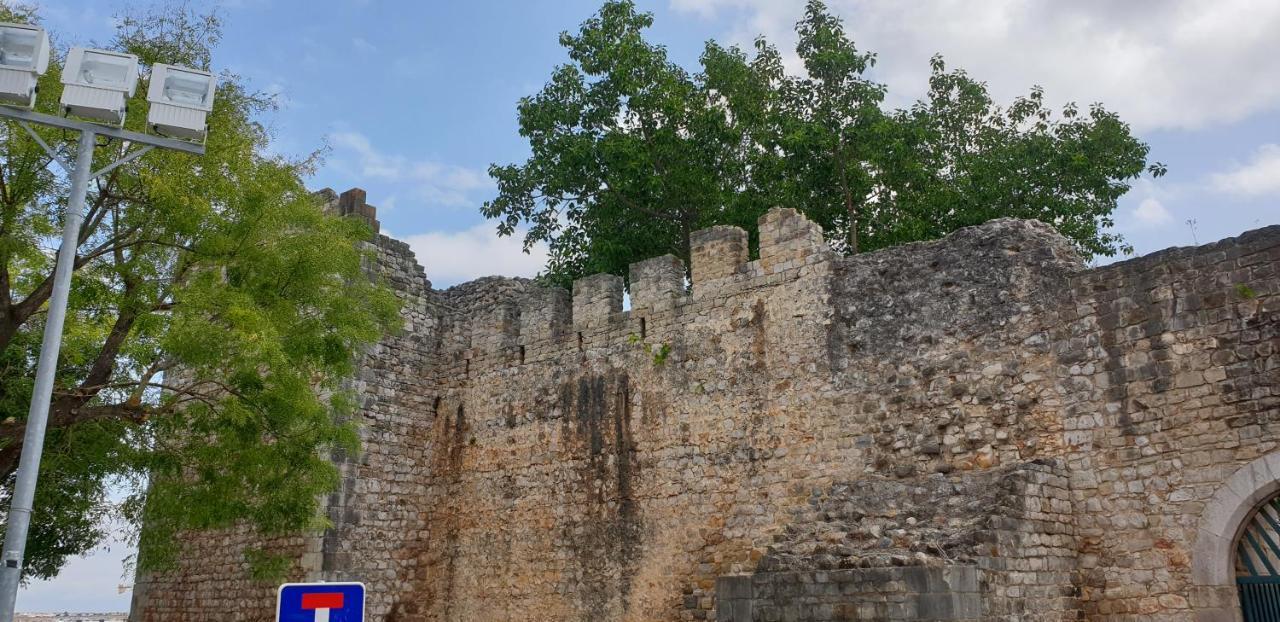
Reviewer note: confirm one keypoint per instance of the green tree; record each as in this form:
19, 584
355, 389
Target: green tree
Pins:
628, 157
829, 145
214, 312
966, 161
630, 152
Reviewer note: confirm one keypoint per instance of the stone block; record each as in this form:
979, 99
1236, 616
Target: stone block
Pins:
716, 253
787, 239
545, 314
596, 300
656, 283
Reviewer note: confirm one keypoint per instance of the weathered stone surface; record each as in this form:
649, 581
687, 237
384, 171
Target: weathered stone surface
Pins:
978, 427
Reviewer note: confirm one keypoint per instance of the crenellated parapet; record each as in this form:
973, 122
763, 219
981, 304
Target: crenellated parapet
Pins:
788, 240
717, 254
597, 300
350, 203
656, 284
545, 317
526, 324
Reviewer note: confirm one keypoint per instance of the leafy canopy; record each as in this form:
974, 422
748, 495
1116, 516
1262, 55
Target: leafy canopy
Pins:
630, 153
215, 310
620, 169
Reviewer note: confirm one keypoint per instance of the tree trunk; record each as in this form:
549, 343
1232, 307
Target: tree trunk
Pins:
850, 207
65, 411
17, 314
853, 223
67, 408
687, 242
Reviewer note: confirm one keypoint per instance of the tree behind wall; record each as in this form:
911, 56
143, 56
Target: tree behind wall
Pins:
627, 158
214, 310
630, 152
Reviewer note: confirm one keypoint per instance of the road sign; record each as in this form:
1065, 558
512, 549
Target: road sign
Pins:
320, 602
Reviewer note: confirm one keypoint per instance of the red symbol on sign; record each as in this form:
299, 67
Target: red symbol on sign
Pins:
321, 603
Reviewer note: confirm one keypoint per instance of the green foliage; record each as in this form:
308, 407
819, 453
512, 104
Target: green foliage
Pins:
659, 353
631, 153
1245, 292
214, 313
266, 566
622, 164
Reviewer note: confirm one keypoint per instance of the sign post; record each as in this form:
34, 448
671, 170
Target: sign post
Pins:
320, 602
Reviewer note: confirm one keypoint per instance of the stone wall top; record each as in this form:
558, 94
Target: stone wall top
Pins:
350, 203
536, 322
918, 293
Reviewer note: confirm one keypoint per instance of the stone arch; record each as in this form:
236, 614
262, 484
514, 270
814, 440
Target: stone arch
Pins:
1213, 556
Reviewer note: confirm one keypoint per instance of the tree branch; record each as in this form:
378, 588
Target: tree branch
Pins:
12, 431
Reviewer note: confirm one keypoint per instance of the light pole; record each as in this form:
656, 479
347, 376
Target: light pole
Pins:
98, 87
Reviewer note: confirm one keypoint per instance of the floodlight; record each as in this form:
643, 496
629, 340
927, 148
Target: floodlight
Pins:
180, 99
24, 56
97, 83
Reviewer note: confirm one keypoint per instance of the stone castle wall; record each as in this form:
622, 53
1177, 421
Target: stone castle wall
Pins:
973, 428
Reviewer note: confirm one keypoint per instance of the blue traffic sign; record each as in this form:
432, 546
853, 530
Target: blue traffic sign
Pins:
320, 602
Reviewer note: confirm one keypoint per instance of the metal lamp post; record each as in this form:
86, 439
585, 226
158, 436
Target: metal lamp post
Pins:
97, 87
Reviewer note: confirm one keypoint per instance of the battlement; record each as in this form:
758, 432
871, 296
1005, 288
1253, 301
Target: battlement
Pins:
350, 203
656, 284
521, 323
499, 323
998, 266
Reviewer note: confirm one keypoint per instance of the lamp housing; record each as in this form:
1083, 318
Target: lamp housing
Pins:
97, 83
180, 99
24, 57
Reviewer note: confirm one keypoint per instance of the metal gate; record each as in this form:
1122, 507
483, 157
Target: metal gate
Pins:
1258, 565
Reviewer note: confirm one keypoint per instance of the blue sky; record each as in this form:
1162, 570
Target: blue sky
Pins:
416, 99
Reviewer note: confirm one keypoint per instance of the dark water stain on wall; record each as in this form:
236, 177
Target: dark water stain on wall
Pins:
604, 535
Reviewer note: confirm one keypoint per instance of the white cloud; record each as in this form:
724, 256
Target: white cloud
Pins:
434, 182
1152, 212
1177, 64
1260, 176
455, 257
363, 46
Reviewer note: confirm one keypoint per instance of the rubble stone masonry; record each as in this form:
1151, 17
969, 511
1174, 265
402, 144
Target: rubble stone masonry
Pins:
975, 428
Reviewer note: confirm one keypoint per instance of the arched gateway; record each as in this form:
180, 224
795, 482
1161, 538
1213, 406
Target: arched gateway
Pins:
1258, 563
1236, 563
